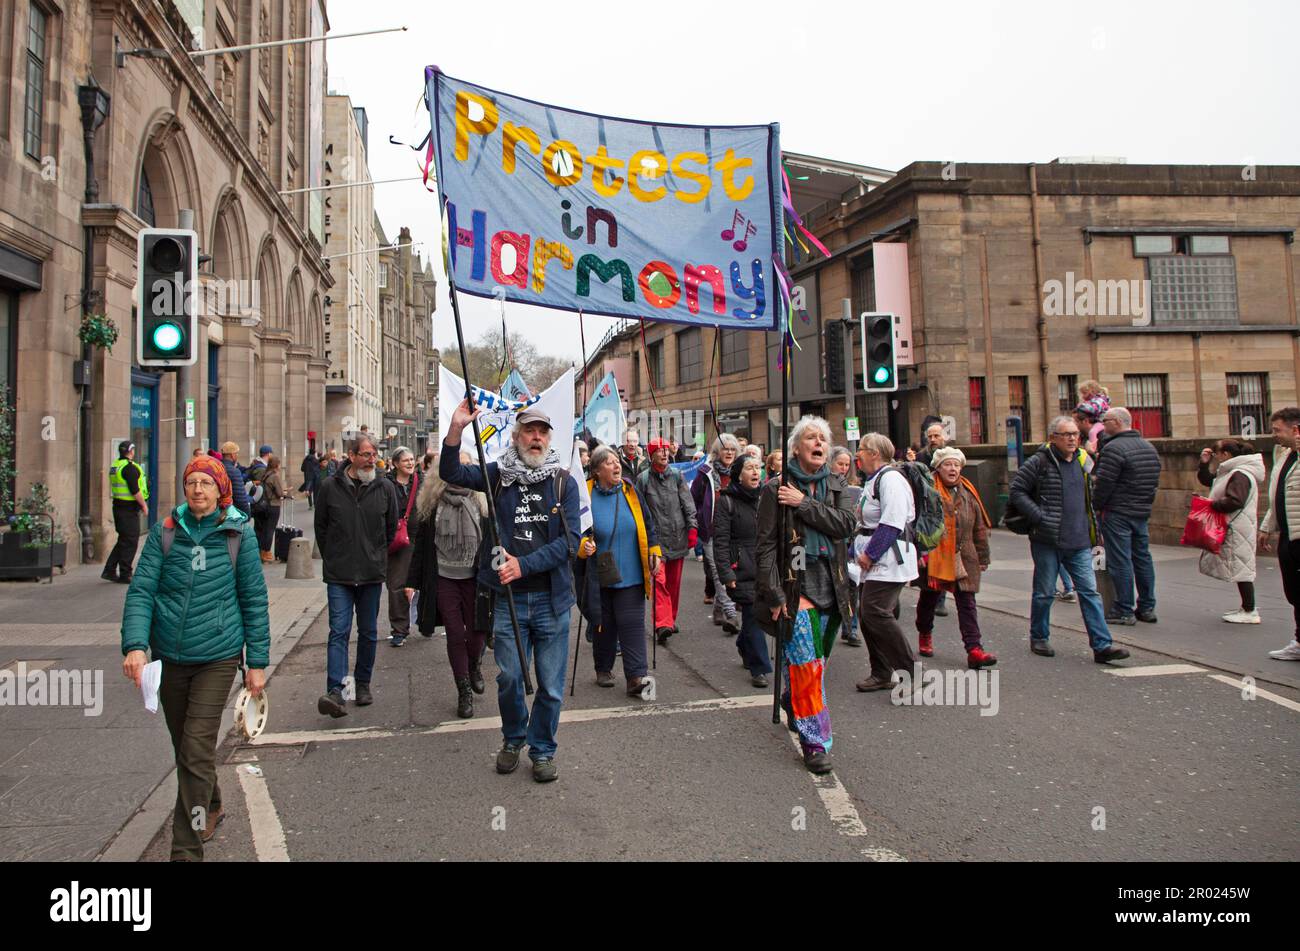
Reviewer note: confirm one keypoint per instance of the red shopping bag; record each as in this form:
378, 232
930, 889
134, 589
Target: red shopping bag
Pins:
1205, 527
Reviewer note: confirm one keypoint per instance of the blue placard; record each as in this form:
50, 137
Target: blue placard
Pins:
577, 211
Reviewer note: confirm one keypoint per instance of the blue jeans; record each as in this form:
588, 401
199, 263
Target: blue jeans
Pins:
1066, 584
546, 644
343, 600
1048, 561
1128, 559
751, 642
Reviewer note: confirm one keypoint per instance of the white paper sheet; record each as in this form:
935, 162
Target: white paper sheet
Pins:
150, 680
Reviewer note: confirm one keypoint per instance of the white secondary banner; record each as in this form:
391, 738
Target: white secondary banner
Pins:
498, 418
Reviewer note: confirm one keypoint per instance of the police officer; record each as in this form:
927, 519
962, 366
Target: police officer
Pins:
130, 490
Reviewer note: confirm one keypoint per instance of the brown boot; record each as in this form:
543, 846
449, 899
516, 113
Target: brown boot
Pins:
210, 828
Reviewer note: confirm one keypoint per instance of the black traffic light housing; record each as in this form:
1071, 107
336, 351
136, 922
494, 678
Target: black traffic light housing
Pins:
879, 352
833, 339
167, 321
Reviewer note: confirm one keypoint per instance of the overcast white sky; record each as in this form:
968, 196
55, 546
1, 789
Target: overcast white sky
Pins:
880, 84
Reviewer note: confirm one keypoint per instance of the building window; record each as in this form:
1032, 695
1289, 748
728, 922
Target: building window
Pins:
1018, 402
979, 420
1248, 404
864, 288
690, 367
383, 275
1146, 396
735, 351
654, 359
35, 111
1195, 284
144, 200
1067, 388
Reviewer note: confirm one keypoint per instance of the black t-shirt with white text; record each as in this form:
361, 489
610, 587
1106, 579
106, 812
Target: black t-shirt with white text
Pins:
530, 525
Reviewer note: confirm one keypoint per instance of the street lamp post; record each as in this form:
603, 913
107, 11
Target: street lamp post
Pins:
94, 103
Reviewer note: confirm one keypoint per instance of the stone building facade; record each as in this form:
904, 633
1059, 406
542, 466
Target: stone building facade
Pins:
352, 327
1174, 286
231, 137
406, 304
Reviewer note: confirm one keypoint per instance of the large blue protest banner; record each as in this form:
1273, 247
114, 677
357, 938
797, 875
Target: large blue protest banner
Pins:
582, 212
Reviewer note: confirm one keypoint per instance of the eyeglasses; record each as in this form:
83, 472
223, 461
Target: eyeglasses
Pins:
365, 455
200, 484
1073, 435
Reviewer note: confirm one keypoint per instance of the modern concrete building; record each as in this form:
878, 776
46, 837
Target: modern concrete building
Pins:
230, 137
353, 336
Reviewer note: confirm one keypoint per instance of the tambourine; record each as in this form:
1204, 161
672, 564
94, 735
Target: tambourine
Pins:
250, 713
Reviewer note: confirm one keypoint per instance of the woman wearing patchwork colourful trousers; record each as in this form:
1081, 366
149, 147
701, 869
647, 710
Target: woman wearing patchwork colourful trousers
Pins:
956, 563
818, 518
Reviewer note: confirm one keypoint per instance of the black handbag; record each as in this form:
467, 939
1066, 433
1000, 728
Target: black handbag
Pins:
607, 572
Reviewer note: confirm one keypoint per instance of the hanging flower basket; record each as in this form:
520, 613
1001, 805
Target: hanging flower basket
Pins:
98, 331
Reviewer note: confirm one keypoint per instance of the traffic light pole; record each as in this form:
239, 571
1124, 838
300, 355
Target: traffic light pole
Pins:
186, 221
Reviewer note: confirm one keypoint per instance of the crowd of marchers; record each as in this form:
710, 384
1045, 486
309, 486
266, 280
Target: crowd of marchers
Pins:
802, 550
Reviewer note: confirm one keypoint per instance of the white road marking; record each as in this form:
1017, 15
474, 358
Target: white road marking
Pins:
844, 815
1155, 670
494, 723
1259, 692
268, 834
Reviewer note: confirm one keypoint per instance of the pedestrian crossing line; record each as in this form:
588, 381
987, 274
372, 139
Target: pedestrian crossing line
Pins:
494, 723
1155, 670
1240, 684
268, 834
844, 815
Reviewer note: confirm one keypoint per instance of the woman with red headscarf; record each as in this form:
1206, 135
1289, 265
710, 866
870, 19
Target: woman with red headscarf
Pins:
198, 603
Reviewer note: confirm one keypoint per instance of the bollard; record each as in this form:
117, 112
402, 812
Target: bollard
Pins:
298, 565
315, 550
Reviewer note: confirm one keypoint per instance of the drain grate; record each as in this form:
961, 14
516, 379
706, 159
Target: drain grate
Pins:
258, 754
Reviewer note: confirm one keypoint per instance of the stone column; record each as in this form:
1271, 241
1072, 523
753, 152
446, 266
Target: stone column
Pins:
296, 404
272, 391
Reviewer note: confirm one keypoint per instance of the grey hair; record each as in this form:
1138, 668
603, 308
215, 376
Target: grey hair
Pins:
1122, 416
836, 452
813, 422
877, 443
355, 444
580, 445
724, 441
598, 457
399, 452
1057, 421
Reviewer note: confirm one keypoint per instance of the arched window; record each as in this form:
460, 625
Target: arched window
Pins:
144, 200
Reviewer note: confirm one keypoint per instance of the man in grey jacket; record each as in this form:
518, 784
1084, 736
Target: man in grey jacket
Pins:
672, 510
1125, 480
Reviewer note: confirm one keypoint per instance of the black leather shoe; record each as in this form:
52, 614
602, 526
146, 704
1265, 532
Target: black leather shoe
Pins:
817, 762
1041, 648
1109, 654
1146, 617
364, 697
662, 634
464, 699
108, 575
476, 677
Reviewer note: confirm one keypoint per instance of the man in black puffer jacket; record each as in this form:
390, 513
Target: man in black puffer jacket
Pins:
1051, 491
1125, 480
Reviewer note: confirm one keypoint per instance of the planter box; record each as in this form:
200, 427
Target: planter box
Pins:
17, 561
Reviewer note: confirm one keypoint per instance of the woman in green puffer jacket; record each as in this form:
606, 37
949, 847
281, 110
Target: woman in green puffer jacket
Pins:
200, 607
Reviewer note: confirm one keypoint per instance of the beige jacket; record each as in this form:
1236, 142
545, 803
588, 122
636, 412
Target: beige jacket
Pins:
1292, 497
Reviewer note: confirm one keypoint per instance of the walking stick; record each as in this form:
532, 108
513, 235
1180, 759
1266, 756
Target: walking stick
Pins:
573, 681
482, 461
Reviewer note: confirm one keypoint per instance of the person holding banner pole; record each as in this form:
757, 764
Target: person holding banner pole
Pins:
528, 567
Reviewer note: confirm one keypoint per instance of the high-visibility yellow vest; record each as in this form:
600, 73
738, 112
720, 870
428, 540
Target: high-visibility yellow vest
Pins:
117, 482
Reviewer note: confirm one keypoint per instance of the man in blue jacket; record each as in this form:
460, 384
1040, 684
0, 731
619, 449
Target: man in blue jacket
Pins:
537, 531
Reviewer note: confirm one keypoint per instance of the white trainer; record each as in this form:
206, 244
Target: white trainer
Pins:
1290, 652
1242, 617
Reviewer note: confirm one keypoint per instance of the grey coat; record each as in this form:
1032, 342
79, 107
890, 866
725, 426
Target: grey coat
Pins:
671, 507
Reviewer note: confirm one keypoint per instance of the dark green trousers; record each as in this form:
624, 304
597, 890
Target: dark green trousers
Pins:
193, 697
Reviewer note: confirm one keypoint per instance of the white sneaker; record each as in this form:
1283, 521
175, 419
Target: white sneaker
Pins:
1290, 652
1242, 617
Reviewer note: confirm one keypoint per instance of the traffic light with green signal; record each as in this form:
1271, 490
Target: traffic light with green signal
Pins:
879, 353
166, 319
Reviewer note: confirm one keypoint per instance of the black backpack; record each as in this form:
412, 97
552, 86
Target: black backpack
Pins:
928, 528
